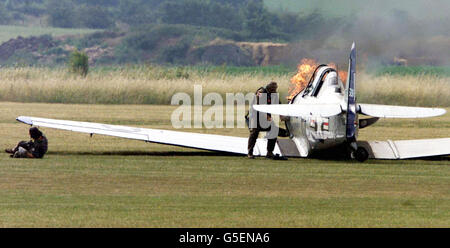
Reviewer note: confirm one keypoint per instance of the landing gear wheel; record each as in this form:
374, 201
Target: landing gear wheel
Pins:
361, 154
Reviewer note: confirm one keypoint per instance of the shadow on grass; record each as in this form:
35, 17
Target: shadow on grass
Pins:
442, 158
336, 156
340, 153
148, 153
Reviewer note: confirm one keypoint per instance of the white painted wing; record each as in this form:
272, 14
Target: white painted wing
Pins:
388, 111
184, 139
301, 110
404, 149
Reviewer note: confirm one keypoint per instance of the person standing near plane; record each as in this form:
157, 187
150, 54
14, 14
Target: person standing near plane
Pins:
35, 148
258, 122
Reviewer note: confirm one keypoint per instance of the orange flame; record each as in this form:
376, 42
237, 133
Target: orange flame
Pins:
300, 80
343, 76
304, 72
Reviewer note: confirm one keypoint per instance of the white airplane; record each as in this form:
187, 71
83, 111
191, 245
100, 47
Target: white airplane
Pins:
322, 116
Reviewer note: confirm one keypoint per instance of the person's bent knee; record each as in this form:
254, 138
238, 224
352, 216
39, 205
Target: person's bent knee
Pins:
21, 153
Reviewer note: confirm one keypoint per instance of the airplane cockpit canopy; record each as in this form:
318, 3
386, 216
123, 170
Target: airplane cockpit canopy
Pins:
323, 75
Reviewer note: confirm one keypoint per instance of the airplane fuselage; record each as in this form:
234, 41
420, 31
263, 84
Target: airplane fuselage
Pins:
316, 133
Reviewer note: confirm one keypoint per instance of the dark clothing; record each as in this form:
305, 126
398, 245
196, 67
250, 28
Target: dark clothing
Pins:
25, 145
257, 100
39, 147
253, 118
254, 132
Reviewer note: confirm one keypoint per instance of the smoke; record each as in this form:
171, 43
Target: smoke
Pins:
415, 31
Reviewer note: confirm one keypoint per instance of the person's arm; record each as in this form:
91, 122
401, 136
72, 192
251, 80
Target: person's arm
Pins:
32, 149
258, 94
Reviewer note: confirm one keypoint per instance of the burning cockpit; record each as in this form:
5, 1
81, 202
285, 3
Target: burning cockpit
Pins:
323, 80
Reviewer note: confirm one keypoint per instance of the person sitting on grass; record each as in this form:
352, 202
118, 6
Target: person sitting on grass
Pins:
35, 148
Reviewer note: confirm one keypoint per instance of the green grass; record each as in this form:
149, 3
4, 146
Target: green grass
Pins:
10, 32
240, 70
224, 70
157, 84
438, 71
111, 182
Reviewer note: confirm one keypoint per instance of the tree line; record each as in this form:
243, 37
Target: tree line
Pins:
249, 18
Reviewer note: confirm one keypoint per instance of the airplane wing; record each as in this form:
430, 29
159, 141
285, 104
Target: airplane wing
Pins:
301, 110
388, 111
209, 142
404, 149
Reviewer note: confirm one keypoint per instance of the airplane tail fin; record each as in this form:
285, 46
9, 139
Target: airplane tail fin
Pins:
350, 98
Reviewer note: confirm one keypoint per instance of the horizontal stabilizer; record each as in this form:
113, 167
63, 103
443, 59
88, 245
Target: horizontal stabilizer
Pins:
404, 149
389, 111
301, 110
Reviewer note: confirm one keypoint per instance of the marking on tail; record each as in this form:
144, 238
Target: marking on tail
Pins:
352, 117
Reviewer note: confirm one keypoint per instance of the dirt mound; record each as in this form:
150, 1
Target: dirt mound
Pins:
95, 53
416, 61
31, 45
265, 53
219, 52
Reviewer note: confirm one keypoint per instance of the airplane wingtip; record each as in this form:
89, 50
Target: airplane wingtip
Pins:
25, 119
441, 111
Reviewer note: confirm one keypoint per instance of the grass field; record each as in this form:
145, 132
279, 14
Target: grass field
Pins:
438, 71
10, 32
110, 182
157, 85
